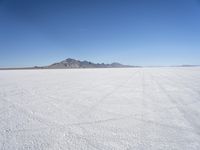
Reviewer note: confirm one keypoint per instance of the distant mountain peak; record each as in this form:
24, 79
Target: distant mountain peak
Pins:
73, 63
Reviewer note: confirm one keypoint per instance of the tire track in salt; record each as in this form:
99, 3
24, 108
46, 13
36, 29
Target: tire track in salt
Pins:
188, 117
95, 105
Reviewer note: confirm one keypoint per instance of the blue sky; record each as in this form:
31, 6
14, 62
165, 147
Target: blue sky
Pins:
136, 32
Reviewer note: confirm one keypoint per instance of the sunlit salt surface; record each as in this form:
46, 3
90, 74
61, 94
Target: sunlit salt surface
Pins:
104, 109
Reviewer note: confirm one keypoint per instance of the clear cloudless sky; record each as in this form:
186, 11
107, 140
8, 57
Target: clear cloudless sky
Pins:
135, 32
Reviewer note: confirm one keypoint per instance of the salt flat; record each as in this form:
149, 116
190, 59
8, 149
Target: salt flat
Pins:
107, 109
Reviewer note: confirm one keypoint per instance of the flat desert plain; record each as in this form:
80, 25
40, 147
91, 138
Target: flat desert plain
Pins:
100, 109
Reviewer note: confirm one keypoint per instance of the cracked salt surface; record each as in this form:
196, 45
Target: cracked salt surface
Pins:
118, 109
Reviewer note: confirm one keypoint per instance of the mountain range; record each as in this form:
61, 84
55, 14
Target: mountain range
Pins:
73, 63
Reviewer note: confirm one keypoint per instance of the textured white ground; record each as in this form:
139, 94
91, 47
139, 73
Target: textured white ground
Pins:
103, 109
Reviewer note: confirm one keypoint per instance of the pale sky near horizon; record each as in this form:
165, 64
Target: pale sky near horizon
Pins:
134, 32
